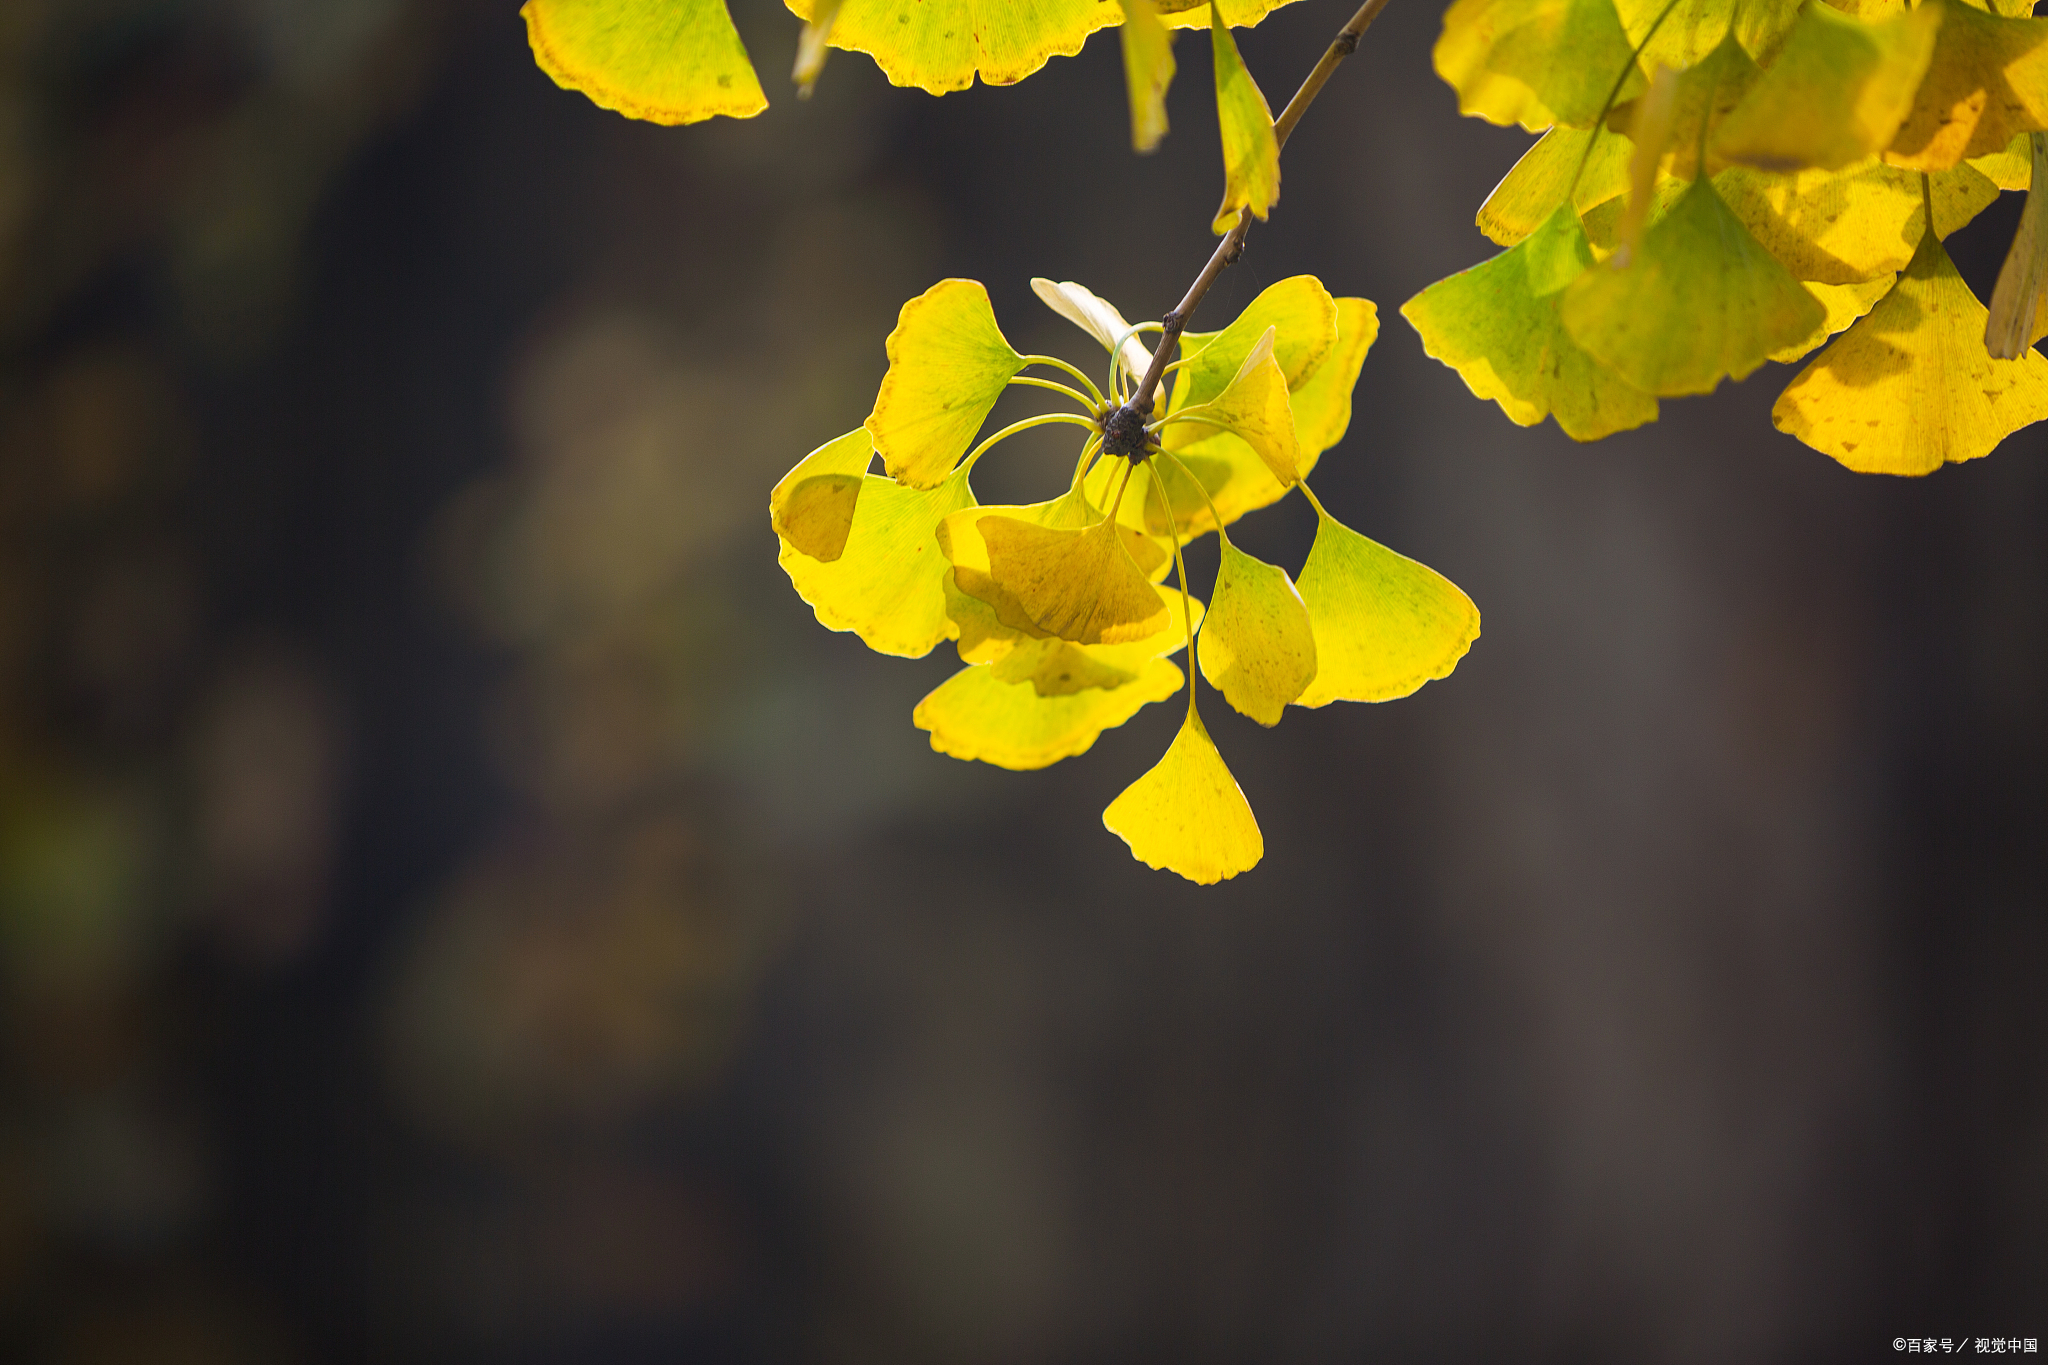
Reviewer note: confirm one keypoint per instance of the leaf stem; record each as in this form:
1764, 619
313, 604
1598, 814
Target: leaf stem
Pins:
1232, 246
1607, 106
1029, 422
1057, 363
1057, 387
1189, 475
1180, 571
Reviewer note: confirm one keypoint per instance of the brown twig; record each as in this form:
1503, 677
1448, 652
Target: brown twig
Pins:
1232, 245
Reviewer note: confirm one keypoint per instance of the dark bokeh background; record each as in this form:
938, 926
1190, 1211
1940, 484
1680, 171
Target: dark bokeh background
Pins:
457, 905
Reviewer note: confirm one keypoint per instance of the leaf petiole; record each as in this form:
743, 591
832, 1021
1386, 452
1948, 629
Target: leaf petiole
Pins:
1073, 370
1056, 387
1180, 571
1044, 419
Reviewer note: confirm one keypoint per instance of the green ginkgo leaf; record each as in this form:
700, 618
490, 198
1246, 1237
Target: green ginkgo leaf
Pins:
977, 716
1837, 92
666, 61
1258, 647
1253, 407
1986, 83
1704, 94
948, 363
888, 583
1693, 28
1251, 153
1384, 624
1148, 71
1509, 345
1534, 62
1538, 183
1188, 814
812, 508
1698, 301
1910, 387
1081, 585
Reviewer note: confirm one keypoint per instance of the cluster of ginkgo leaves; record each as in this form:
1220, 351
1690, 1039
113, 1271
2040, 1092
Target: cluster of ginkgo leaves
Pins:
1055, 606
681, 61
1725, 182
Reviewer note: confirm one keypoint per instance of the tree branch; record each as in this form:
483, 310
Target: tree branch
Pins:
1232, 245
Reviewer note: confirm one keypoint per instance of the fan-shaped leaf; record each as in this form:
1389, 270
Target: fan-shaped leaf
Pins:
1534, 62
666, 61
1251, 153
1257, 647
887, 585
948, 363
1187, 814
1384, 624
812, 507
976, 715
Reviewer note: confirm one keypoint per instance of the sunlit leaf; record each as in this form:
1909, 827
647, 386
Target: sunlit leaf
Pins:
1910, 386
1534, 62
2011, 169
812, 507
1702, 97
1844, 304
1257, 648
1384, 624
1837, 92
942, 45
2019, 302
1698, 301
1236, 13
1986, 82
1094, 315
887, 585
1081, 585
1052, 665
1531, 192
1694, 28
666, 61
1509, 345
1322, 402
961, 542
948, 363
1253, 407
1303, 318
1187, 814
975, 715
1841, 227
1148, 71
1251, 153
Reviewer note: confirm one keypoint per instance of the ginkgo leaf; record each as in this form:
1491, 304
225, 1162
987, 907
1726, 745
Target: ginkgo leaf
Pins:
1841, 227
1509, 345
2019, 302
948, 363
1236, 13
812, 507
666, 61
2011, 169
1253, 407
1148, 71
1534, 62
975, 715
887, 585
1187, 814
1844, 304
1094, 315
1303, 319
1081, 585
1702, 97
1693, 28
1251, 153
960, 541
1051, 665
1698, 301
1538, 183
1384, 624
1837, 92
1910, 386
942, 45
1257, 648
1649, 127
1322, 402
1986, 82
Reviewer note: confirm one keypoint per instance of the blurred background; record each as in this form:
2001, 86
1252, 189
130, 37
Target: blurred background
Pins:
456, 904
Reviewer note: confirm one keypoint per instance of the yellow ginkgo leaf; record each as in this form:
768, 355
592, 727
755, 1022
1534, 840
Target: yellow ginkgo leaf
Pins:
1251, 153
960, 541
812, 507
975, 715
1910, 386
1509, 345
1986, 83
887, 585
1698, 301
2019, 302
948, 363
1837, 92
1303, 319
1322, 402
1081, 585
942, 45
1187, 814
1054, 666
666, 61
1253, 407
1095, 315
1531, 191
1702, 96
1693, 28
2011, 169
1844, 304
1534, 62
1148, 71
1842, 227
1257, 648
1236, 13
1384, 624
